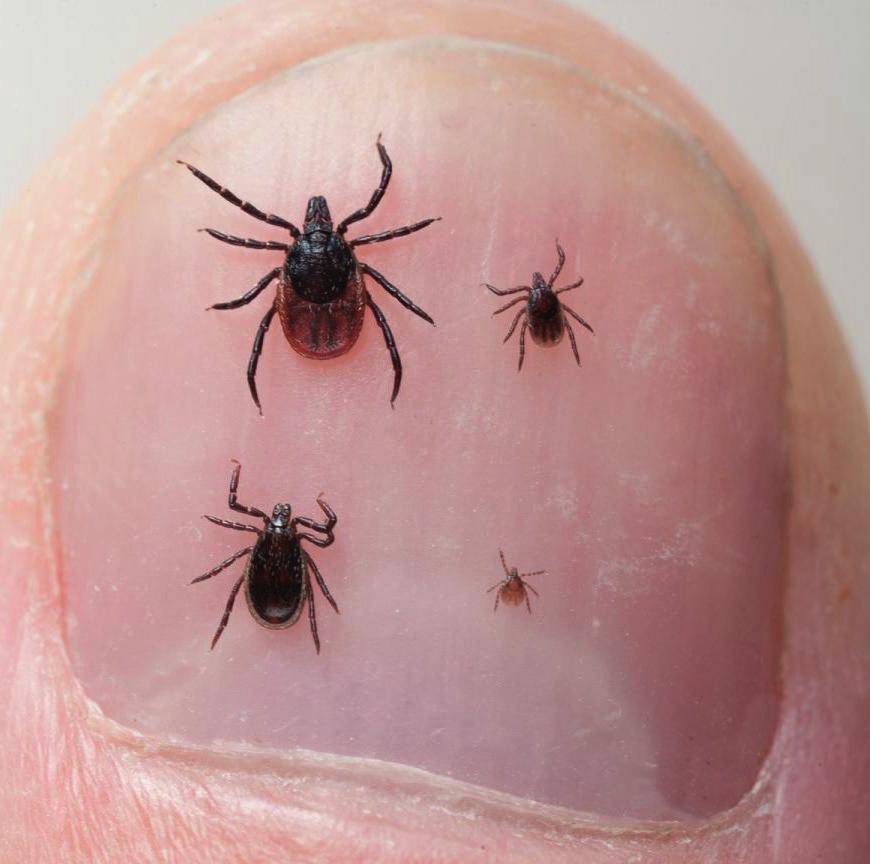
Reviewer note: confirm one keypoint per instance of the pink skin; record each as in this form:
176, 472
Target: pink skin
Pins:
698, 652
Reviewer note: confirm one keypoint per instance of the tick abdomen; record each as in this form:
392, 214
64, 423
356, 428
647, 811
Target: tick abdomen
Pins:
275, 581
546, 323
322, 330
513, 594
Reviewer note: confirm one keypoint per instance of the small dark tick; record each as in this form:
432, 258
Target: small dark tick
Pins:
543, 312
512, 589
276, 577
321, 296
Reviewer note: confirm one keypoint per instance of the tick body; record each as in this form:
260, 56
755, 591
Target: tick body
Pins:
277, 575
542, 313
513, 589
321, 294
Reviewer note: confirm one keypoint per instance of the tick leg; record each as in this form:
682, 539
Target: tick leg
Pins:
255, 355
223, 565
250, 209
227, 611
391, 345
312, 615
323, 527
528, 602
233, 503
323, 542
238, 526
394, 232
573, 339
523, 343
514, 324
570, 287
376, 195
254, 292
506, 291
503, 564
391, 289
497, 584
561, 253
508, 305
577, 318
247, 242
321, 584
534, 573
531, 588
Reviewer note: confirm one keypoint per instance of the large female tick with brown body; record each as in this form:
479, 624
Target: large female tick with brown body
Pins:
543, 312
277, 576
513, 589
321, 297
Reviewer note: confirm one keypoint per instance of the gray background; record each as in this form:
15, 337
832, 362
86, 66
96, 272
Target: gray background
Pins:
787, 78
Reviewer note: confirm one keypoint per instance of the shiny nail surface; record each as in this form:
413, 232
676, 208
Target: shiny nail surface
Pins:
649, 484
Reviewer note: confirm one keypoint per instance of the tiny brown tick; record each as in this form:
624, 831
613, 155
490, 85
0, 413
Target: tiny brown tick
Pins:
543, 313
321, 296
277, 575
512, 589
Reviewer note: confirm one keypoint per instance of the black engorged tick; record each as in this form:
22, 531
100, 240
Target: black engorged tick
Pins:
512, 589
321, 296
276, 577
544, 312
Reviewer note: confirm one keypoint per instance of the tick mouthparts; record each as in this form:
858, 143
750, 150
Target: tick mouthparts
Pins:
317, 212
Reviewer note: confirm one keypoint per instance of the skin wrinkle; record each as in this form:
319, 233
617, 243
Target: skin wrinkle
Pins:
183, 768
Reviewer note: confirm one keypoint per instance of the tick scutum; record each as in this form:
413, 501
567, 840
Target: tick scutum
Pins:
320, 263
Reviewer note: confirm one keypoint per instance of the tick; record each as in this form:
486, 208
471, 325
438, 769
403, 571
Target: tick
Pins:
543, 313
513, 589
277, 574
321, 296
